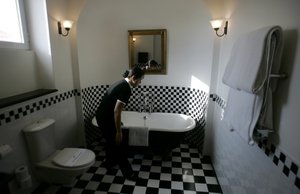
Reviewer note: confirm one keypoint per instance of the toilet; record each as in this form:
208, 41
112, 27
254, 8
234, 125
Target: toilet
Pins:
51, 165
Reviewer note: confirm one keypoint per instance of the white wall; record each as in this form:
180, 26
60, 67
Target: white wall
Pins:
39, 41
18, 73
63, 106
48, 63
27, 70
248, 16
103, 45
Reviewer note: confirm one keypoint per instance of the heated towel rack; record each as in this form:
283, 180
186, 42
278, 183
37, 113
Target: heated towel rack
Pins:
261, 133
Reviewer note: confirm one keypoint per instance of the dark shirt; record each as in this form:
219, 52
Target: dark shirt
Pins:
120, 90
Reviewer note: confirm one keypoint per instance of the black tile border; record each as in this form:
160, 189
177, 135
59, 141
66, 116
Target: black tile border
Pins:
9, 101
280, 159
26, 109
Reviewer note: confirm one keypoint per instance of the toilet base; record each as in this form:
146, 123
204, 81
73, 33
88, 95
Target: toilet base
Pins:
46, 171
58, 176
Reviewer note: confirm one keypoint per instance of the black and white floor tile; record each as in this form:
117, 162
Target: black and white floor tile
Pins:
182, 171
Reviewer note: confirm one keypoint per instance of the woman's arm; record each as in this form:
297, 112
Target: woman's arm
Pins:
117, 116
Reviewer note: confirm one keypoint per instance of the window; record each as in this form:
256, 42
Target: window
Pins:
13, 33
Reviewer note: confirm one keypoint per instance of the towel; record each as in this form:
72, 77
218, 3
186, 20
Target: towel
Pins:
242, 112
265, 121
138, 136
248, 65
254, 57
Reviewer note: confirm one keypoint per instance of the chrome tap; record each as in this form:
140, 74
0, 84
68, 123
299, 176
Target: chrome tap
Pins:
147, 102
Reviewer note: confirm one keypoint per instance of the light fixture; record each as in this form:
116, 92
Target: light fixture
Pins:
133, 39
216, 24
66, 25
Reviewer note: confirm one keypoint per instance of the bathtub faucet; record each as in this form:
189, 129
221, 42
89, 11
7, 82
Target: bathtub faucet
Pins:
147, 102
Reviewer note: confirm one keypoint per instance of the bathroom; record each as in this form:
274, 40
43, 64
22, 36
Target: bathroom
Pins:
96, 54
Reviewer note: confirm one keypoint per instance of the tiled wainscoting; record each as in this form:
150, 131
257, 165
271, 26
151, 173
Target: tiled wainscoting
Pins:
280, 159
183, 171
167, 99
17, 112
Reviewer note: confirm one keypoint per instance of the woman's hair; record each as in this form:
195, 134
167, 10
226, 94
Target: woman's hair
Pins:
126, 73
137, 72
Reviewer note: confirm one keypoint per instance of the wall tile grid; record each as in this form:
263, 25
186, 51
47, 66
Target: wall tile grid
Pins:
166, 99
280, 159
29, 108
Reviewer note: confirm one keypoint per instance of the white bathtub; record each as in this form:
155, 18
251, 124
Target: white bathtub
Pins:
168, 122
166, 130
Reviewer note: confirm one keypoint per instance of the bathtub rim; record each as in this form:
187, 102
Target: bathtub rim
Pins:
189, 128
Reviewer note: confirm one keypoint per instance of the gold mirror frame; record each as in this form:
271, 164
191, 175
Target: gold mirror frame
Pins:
161, 67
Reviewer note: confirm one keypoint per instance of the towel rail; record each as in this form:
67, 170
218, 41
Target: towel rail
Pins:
280, 76
261, 133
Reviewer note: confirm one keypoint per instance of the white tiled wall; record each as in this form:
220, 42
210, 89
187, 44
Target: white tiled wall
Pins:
244, 169
59, 106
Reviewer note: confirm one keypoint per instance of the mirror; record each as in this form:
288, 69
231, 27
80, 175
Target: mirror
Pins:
147, 49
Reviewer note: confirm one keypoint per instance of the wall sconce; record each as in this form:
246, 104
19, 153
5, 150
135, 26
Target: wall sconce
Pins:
133, 39
67, 25
216, 24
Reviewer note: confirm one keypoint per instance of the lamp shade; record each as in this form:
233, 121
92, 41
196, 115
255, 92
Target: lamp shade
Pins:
216, 23
67, 24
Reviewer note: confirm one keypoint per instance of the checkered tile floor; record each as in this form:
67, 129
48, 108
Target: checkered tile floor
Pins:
180, 171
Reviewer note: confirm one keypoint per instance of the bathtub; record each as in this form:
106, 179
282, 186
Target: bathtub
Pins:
166, 130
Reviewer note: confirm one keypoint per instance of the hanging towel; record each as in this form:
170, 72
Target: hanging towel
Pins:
242, 112
265, 121
247, 68
253, 58
138, 136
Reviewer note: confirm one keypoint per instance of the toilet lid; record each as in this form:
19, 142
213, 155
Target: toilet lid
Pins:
74, 157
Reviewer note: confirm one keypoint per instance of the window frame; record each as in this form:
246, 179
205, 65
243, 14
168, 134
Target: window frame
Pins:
16, 45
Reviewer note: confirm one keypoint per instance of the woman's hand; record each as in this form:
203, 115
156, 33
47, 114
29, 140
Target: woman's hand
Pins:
119, 137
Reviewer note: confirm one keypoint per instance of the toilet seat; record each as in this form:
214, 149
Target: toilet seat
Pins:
73, 157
